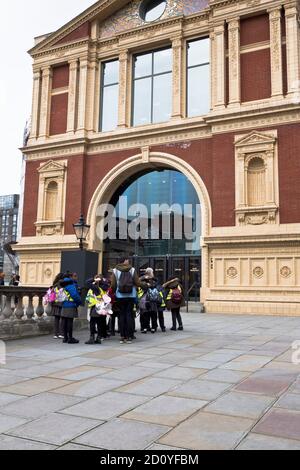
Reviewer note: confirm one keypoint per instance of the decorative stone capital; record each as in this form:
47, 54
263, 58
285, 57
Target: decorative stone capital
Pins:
233, 24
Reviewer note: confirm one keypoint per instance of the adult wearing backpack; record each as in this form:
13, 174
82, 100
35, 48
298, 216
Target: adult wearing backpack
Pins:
124, 283
174, 301
70, 307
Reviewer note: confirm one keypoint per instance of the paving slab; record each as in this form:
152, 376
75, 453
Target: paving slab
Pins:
280, 423
259, 442
39, 405
206, 431
6, 398
225, 375
247, 362
180, 373
15, 443
106, 406
200, 389
130, 374
71, 447
166, 410
265, 385
80, 373
89, 388
150, 387
241, 404
7, 423
34, 386
122, 434
56, 429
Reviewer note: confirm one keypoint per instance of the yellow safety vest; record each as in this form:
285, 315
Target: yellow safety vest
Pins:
169, 296
93, 299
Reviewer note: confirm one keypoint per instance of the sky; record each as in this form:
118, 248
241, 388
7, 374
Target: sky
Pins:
22, 20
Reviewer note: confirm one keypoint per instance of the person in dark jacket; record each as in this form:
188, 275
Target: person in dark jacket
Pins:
151, 309
70, 308
174, 295
124, 283
2, 278
57, 308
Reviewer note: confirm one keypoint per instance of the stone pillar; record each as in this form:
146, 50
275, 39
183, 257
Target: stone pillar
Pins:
93, 70
72, 101
123, 89
45, 101
234, 62
276, 51
82, 94
292, 46
177, 46
269, 175
218, 66
35, 104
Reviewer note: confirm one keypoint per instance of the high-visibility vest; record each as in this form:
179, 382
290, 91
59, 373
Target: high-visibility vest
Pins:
93, 299
70, 299
170, 293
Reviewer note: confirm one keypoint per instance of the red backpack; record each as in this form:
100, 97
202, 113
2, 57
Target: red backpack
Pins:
177, 296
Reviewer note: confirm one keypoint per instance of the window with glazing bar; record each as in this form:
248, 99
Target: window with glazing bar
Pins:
109, 96
198, 77
152, 87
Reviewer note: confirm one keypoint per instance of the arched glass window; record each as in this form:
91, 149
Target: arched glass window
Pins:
256, 182
152, 10
51, 201
174, 229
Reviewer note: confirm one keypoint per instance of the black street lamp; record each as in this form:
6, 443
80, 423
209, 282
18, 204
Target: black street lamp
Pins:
81, 231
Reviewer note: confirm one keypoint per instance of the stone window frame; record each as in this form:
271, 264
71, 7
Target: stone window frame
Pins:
264, 145
49, 172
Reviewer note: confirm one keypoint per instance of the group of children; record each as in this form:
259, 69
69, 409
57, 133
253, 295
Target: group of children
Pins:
105, 308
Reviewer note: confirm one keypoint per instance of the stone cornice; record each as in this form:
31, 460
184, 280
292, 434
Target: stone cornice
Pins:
184, 130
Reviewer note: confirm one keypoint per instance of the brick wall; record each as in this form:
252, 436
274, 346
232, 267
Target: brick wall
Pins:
212, 158
81, 32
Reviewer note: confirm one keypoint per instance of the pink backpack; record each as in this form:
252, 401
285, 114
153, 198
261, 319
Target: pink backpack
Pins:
50, 297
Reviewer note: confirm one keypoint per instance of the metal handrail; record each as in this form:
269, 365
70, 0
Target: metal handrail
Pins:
195, 284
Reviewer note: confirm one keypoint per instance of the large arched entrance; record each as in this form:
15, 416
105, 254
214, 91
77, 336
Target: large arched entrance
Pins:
160, 180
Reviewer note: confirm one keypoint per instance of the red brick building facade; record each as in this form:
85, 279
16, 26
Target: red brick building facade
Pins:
242, 156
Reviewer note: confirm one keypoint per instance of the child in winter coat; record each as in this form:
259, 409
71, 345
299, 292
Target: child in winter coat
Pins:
98, 326
151, 304
56, 307
174, 295
70, 307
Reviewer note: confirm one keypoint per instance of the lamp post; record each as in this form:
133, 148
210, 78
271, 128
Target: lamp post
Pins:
81, 231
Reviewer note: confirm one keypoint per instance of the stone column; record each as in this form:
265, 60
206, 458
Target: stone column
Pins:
93, 70
82, 94
292, 46
123, 88
218, 66
276, 51
234, 62
72, 100
269, 175
177, 46
35, 104
45, 101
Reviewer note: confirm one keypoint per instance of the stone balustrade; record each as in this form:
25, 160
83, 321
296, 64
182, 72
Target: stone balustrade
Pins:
22, 313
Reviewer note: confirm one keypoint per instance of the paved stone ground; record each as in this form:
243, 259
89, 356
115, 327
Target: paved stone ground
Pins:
226, 382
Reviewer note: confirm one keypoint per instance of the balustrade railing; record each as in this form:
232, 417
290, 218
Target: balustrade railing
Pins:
22, 303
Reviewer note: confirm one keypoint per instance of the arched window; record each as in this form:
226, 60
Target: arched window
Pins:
256, 182
51, 201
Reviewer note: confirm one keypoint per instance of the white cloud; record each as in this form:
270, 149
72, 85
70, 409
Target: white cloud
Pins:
21, 22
